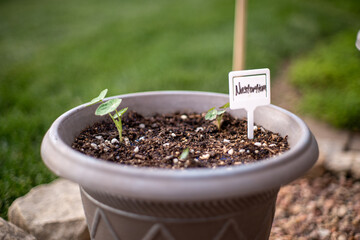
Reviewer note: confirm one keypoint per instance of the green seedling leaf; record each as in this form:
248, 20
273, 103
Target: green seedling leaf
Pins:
184, 155
211, 114
217, 114
99, 98
226, 105
220, 112
120, 113
108, 107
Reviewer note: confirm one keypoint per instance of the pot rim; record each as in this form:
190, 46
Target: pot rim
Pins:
175, 184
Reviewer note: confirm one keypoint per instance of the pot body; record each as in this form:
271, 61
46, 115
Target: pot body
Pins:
116, 217
227, 203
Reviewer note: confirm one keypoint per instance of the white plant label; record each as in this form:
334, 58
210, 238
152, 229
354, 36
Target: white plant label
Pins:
249, 89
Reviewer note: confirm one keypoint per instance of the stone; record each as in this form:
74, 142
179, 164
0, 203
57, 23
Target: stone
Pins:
114, 141
340, 162
341, 211
205, 156
342, 237
51, 212
354, 144
332, 143
318, 169
323, 233
330, 150
355, 168
9, 231
325, 134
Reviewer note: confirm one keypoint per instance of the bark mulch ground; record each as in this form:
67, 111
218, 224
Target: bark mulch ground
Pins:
324, 207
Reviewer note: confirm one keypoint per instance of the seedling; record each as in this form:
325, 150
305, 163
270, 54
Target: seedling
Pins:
109, 107
213, 113
184, 155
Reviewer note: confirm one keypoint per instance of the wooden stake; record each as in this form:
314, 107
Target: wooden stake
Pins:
239, 35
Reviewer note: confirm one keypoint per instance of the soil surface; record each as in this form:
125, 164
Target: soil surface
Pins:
161, 140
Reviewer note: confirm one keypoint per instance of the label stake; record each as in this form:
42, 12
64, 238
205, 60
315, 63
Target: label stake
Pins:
249, 89
250, 123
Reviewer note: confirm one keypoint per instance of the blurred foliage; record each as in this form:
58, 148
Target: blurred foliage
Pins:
329, 79
57, 54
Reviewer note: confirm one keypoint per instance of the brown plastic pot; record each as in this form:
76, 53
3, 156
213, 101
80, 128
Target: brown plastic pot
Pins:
227, 203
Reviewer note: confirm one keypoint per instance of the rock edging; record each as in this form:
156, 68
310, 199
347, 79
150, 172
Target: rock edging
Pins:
51, 212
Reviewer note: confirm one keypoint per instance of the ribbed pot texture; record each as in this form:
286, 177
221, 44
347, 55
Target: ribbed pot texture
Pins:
226, 203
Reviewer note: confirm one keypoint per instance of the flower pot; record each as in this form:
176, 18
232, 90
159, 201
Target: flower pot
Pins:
226, 203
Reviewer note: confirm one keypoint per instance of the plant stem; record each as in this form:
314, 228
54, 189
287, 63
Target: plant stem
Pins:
118, 125
218, 121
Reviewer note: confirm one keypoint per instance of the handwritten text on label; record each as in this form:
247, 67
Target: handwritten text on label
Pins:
249, 89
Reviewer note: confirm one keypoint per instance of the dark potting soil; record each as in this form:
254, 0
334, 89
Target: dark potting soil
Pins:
159, 141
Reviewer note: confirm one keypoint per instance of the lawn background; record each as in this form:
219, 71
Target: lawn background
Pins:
56, 55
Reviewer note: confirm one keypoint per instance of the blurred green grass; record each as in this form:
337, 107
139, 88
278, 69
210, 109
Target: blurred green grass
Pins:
329, 78
56, 55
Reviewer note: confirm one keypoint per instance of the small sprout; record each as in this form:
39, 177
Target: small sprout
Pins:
99, 98
120, 113
109, 107
213, 113
184, 155
226, 105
